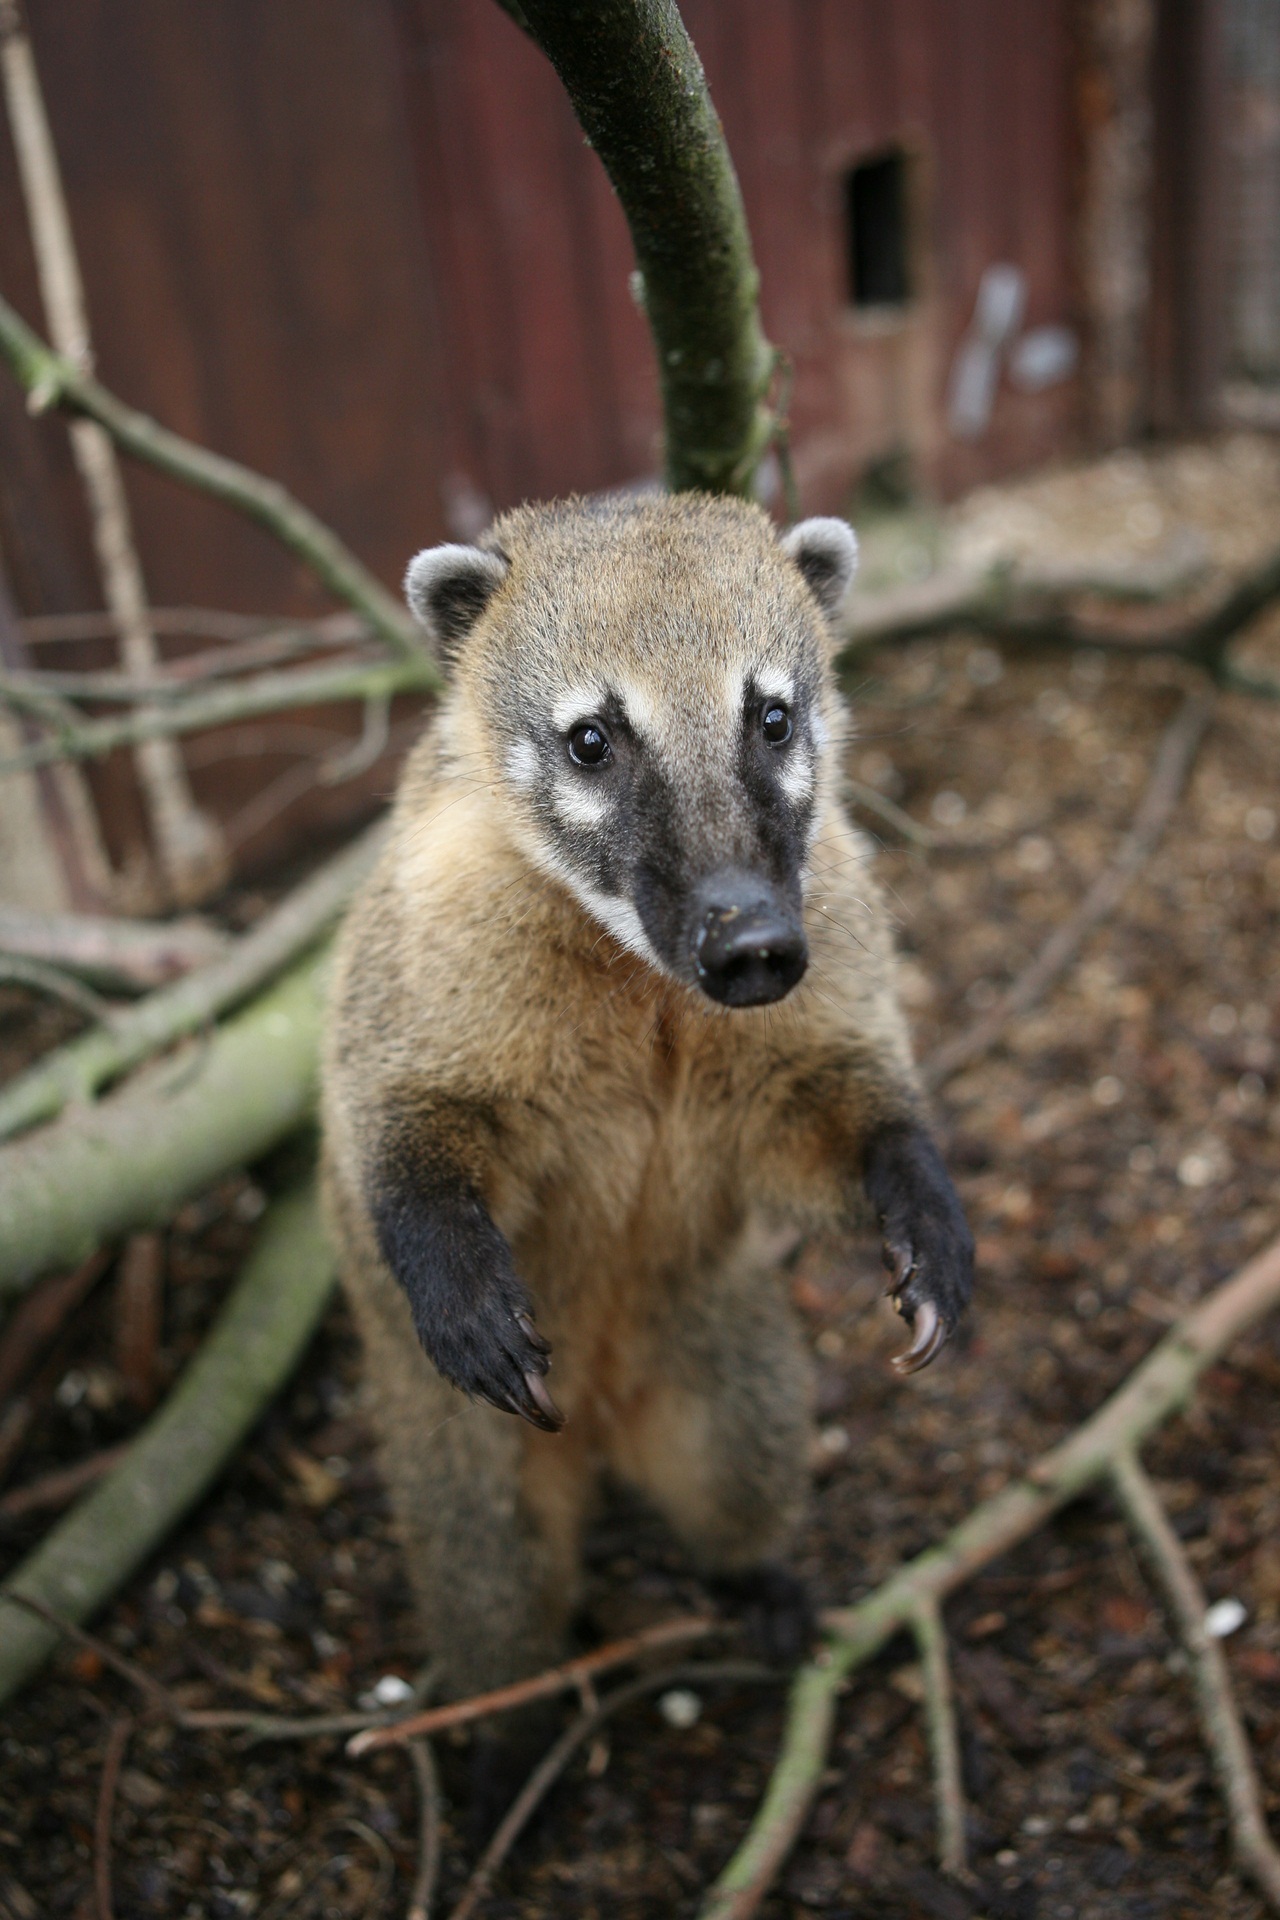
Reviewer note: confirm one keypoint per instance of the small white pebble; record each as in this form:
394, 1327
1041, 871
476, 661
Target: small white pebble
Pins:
834, 1440
1108, 1092
391, 1690
1260, 823
949, 808
1223, 1020
680, 1708
1224, 1617
1036, 1823
1006, 1857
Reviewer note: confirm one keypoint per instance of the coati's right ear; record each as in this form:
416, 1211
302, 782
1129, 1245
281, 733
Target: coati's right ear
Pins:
449, 587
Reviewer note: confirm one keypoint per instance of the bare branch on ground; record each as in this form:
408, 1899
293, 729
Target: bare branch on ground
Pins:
539, 1686
428, 1784
79, 1070
60, 1486
1174, 760
1220, 1718
38, 1320
1152, 1393
113, 1760
944, 1741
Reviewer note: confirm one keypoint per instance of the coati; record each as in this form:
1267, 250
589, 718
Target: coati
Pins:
616, 1006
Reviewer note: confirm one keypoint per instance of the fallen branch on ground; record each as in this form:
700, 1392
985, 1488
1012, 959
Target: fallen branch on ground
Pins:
539, 1686
256, 1340
125, 956
554, 1762
60, 1486
171, 1131
1220, 1719
1032, 608
51, 983
113, 1761
1174, 760
428, 1785
77, 1071
51, 381
1151, 1394
40, 1318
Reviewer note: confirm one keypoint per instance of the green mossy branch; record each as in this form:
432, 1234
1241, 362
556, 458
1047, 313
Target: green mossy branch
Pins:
256, 1341
638, 89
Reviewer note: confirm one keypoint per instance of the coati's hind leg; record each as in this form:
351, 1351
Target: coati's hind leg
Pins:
718, 1440
491, 1548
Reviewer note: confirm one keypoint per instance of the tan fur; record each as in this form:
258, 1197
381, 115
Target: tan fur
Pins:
639, 1145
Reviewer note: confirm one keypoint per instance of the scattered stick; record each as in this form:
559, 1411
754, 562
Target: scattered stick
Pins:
60, 1487
1174, 760
138, 1310
428, 1784
79, 1070
38, 1320
53, 381
113, 1760
257, 1339
1151, 1394
553, 1764
157, 1696
198, 623
1220, 1719
944, 1742
540, 1686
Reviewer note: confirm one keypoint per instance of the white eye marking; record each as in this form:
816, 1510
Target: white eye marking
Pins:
818, 728
795, 777
576, 703
773, 683
578, 807
522, 763
638, 704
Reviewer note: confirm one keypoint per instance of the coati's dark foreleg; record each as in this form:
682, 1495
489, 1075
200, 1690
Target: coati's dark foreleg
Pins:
469, 1306
928, 1247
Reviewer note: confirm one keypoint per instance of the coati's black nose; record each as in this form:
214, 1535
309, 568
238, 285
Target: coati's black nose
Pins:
748, 946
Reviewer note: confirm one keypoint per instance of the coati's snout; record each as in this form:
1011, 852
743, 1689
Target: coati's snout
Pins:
747, 941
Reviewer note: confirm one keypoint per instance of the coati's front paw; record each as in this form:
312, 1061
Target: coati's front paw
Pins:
470, 1310
928, 1247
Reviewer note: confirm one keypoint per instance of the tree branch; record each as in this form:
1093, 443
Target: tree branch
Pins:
1153, 1392
214, 706
256, 1341
51, 381
1219, 1715
638, 89
78, 1070
944, 1741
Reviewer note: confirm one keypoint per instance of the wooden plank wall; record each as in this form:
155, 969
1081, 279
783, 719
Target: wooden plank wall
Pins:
364, 247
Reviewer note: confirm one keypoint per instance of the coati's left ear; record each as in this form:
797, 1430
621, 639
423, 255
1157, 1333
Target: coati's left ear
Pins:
449, 587
826, 552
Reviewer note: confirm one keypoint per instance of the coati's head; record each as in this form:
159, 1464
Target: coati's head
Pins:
645, 685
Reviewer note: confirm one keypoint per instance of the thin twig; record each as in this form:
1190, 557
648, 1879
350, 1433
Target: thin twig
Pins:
893, 816
127, 956
60, 1487
189, 842
553, 1764
71, 738
540, 1686
1174, 760
1219, 1715
50, 380
37, 1321
428, 1783
113, 1760
1152, 1392
151, 1689
944, 1741
199, 623
81, 1069
39, 977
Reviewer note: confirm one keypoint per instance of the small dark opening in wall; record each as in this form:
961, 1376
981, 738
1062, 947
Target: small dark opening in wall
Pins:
875, 196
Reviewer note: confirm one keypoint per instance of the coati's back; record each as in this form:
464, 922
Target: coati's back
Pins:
617, 1000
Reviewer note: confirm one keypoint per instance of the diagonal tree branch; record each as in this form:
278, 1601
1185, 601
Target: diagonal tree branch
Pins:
51, 381
638, 89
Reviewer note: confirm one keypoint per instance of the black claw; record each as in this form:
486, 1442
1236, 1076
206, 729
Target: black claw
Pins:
930, 1338
525, 1323
544, 1412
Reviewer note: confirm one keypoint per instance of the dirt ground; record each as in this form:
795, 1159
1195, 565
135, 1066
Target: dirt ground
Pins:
1118, 1156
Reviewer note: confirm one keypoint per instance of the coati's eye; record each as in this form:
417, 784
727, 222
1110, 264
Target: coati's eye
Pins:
776, 724
588, 744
